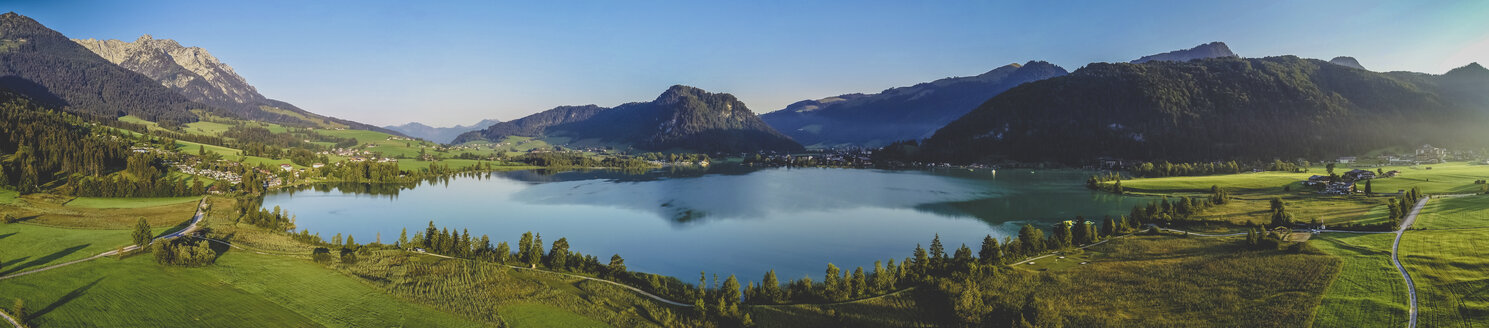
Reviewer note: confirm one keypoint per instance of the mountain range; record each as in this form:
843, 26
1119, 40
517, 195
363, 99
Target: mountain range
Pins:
682, 118
1219, 108
440, 135
904, 113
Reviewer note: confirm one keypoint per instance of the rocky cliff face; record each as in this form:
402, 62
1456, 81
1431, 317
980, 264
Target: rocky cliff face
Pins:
192, 71
1346, 62
1208, 50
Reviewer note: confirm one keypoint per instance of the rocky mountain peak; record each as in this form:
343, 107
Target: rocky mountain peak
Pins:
1346, 61
1209, 50
190, 70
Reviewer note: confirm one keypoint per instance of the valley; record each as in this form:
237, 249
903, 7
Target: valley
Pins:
148, 183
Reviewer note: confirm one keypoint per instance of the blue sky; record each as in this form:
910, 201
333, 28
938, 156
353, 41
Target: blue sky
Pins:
456, 62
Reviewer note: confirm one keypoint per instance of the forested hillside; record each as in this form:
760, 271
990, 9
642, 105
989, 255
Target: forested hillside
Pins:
906, 113
54, 71
1222, 108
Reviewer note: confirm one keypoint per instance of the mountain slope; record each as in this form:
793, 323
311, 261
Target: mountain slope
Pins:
900, 113
49, 68
1223, 108
201, 77
440, 135
1203, 51
682, 118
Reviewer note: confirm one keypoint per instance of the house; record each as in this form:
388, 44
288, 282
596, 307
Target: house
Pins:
1317, 180
286, 167
1428, 153
317, 165
1357, 175
1347, 160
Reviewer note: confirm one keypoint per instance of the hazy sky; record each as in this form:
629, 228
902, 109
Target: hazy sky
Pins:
457, 62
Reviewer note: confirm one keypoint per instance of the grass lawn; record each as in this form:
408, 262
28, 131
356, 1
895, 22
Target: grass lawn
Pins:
8, 196
49, 210
1451, 271
1331, 210
136, 120
26, 246
136, 292
1454, 213
1244, 182
1368, 291
1446, 178
206, 128
539, 315
97, 202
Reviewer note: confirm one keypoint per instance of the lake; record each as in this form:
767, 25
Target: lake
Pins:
723, 220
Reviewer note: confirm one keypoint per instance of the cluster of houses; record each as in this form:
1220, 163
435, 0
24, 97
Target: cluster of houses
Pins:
1344, 184
212, 174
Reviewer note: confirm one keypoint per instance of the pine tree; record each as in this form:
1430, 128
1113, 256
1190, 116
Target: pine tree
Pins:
991, 253
503, 252
403, 238
770, 288
969, 306
142, 234
859, 284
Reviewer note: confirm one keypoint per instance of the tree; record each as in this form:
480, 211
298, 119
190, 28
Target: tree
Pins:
731, 297
991, 253
832, 281
535, 252
558, 257
503, 252
1060, 238
1117, 186
403, 238
1369, 191
429, 234
770, 288
142, 234
969, 306
1032, 239
938, 253
524, 245
859, 284
617, 265
1329, 168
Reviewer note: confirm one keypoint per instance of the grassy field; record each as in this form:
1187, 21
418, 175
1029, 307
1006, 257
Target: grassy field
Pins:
1331, 210
97, 202
538, 315
1454, 213
25, 246
1176, 282
1451, 271
1446, 178
8, 196
53, 210
1244, 182
136, 120
206, 128
1368, 291
899, 310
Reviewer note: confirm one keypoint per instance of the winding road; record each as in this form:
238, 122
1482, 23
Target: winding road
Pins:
1411, 287
197, 218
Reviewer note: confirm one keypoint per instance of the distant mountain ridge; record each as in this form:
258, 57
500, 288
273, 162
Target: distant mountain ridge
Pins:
195, 73
903, 113
1203, 51
682, 118
440, 135
1219, 108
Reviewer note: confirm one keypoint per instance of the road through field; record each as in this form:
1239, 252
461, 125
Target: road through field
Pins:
1411, 288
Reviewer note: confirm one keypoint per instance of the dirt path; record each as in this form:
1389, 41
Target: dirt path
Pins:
189, 229
12, 321
1411, 287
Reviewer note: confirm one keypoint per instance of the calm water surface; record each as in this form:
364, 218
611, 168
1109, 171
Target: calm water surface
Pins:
725, 221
